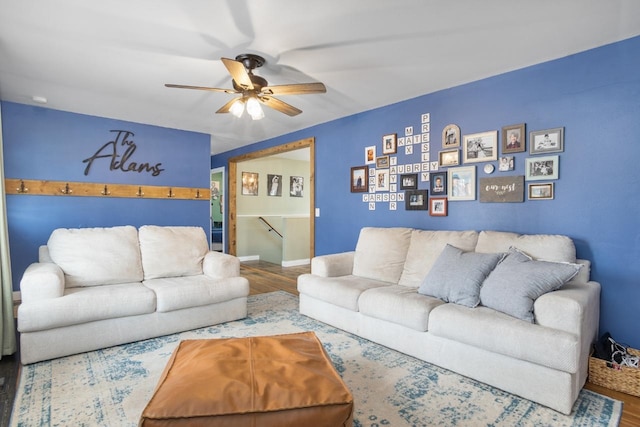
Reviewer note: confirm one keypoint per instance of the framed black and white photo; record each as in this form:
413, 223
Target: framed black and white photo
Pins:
296, 186
438, 206
449, 158
542, 168
461, 183
451, 136
409, 181
438, 183
416, 200
274, 185
513, 139
480, 147
506, 163
390, 143
546, 141
382, 162
541, 191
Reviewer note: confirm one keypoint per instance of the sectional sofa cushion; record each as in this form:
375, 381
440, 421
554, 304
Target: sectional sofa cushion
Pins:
172, 251
343, 291
516, 282
96, 256
87, 304
380, 253
426, 246
399, 304
547, 247
456, 276
194, 291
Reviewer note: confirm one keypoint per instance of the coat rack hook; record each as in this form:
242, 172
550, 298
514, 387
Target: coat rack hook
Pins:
66, 189
198, 196
106, 191
170, 193
139, 193
22, 189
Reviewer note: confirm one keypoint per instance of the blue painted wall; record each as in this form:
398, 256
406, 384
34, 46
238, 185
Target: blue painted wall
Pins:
594, 95
46, 144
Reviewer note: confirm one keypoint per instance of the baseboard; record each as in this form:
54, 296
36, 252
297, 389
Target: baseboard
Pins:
249, 258
17, 297
296, 262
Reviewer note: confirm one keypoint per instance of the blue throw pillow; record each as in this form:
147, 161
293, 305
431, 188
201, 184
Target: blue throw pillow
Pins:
518, 280
456, 276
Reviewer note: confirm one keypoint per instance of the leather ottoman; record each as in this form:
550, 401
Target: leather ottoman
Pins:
269, 381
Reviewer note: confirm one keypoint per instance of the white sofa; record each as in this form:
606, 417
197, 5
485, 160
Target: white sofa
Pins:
98, 287
378, 293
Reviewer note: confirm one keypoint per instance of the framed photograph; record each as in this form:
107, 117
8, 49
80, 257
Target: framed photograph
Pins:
461, 183
370, 155
506, 163
296, 185
449, 158
382, 180
480, 147
359, 179
416, 200
438, 206
513, 139
382, 162
542, 168
390, 143
409, 181
249, 184
541, 191
274, 185
438, 183
546, 141
451, 136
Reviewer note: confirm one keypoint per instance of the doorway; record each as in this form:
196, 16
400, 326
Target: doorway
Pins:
233, 183
217, 209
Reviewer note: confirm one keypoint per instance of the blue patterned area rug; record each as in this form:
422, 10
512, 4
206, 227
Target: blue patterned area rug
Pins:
110, 387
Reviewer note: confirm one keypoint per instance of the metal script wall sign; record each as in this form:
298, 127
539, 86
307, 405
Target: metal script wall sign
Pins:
507, 189
119, 151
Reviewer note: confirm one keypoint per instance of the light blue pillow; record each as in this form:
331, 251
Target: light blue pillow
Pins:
518, 280
456, 276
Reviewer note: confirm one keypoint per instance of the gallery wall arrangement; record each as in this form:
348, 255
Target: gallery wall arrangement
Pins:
392, 180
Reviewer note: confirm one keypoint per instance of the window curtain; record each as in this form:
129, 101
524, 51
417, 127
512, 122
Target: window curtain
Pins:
7, 323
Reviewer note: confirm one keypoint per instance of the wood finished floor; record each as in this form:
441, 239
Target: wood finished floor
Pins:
266, 277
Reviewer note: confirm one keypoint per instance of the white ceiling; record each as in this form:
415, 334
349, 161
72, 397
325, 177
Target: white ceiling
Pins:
111, 58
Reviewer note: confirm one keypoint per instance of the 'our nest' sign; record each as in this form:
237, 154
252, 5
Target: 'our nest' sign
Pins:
504, 189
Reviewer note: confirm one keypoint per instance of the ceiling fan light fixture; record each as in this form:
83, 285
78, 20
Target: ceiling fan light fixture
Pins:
254, 109
237, 108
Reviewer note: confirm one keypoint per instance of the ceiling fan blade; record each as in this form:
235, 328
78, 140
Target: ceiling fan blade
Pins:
226, 107
281, 106
295, 89
212, 89
238, 72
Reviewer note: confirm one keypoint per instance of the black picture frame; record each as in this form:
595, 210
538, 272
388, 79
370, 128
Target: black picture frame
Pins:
438, 183
409, 181
416, 200
359, 179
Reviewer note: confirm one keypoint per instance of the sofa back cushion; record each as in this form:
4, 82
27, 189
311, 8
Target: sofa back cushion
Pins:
96, 256
425, 248
172, 251
380, 253
547, 247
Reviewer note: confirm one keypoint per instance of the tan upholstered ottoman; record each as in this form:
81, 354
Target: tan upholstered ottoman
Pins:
271, 381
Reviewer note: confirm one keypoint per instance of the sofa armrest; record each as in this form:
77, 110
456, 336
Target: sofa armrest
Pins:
220, 266
574, 308
333, 265
40, 281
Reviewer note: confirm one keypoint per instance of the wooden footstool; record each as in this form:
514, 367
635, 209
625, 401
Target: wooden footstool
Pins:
271, 381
